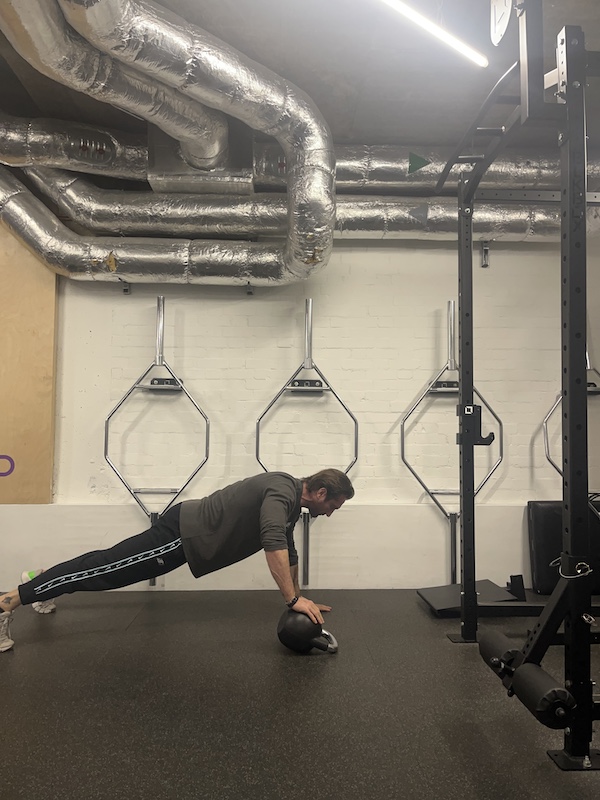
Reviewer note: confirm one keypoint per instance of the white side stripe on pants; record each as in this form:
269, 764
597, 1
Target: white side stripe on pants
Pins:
117, 565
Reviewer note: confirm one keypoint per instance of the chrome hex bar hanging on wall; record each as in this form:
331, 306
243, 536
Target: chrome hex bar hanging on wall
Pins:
435, 387
156, 385
593, 388
307, 386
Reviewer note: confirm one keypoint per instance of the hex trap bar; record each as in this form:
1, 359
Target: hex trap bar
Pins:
307, 386
437, 386
156, 385
592, 388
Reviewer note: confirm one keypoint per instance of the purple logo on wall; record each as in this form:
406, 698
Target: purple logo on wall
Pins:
11, 466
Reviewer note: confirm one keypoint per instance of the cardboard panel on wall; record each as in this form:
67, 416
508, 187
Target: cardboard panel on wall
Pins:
27, 375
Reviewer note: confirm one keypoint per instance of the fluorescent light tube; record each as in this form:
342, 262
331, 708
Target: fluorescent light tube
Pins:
435, 30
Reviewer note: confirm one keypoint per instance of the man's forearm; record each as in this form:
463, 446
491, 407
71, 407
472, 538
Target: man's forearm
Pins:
286, 578
279, 565
294, 572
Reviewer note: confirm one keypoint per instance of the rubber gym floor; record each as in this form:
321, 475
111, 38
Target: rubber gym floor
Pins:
189, 695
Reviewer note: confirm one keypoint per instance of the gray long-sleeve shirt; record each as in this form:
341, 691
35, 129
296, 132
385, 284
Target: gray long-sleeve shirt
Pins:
239, 520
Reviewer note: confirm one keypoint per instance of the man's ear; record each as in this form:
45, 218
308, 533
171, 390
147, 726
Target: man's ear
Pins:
322, 493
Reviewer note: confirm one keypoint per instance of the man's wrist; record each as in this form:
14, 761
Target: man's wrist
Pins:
291, 603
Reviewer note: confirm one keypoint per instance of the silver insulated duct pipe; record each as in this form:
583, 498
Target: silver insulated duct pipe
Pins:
170, 50
133, 260
390, 168
160, 43
104, 211
365, 170
72, 145
38, 32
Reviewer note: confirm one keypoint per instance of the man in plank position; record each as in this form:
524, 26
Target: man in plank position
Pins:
253, 514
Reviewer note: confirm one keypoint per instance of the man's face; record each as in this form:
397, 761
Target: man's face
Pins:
319, 504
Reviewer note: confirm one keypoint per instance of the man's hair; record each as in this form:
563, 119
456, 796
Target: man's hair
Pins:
335, 481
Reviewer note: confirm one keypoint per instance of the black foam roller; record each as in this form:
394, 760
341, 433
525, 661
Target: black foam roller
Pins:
539, 692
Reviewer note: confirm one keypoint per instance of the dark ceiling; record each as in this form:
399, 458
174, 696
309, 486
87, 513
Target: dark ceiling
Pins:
375, 77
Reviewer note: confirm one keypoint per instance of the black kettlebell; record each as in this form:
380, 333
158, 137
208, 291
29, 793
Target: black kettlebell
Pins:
300, 633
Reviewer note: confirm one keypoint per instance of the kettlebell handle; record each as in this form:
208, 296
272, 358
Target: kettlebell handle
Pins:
331, 646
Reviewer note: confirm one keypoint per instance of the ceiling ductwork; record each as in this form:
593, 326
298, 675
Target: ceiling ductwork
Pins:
133, 260
38, 32
102, 211
166, 48
384, 170
204, 213
72, 146
388, 169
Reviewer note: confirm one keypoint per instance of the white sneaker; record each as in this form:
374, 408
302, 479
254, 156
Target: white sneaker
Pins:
43, 606
6, 643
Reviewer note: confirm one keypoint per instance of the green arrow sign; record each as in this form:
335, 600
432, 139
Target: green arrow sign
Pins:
416, 162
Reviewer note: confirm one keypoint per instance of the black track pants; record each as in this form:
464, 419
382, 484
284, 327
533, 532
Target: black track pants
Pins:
147, 555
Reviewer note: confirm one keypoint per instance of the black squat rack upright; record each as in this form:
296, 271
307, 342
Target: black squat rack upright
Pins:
572, 706
445, 600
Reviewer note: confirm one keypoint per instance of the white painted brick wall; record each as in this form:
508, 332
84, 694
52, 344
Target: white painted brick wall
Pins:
379, 335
